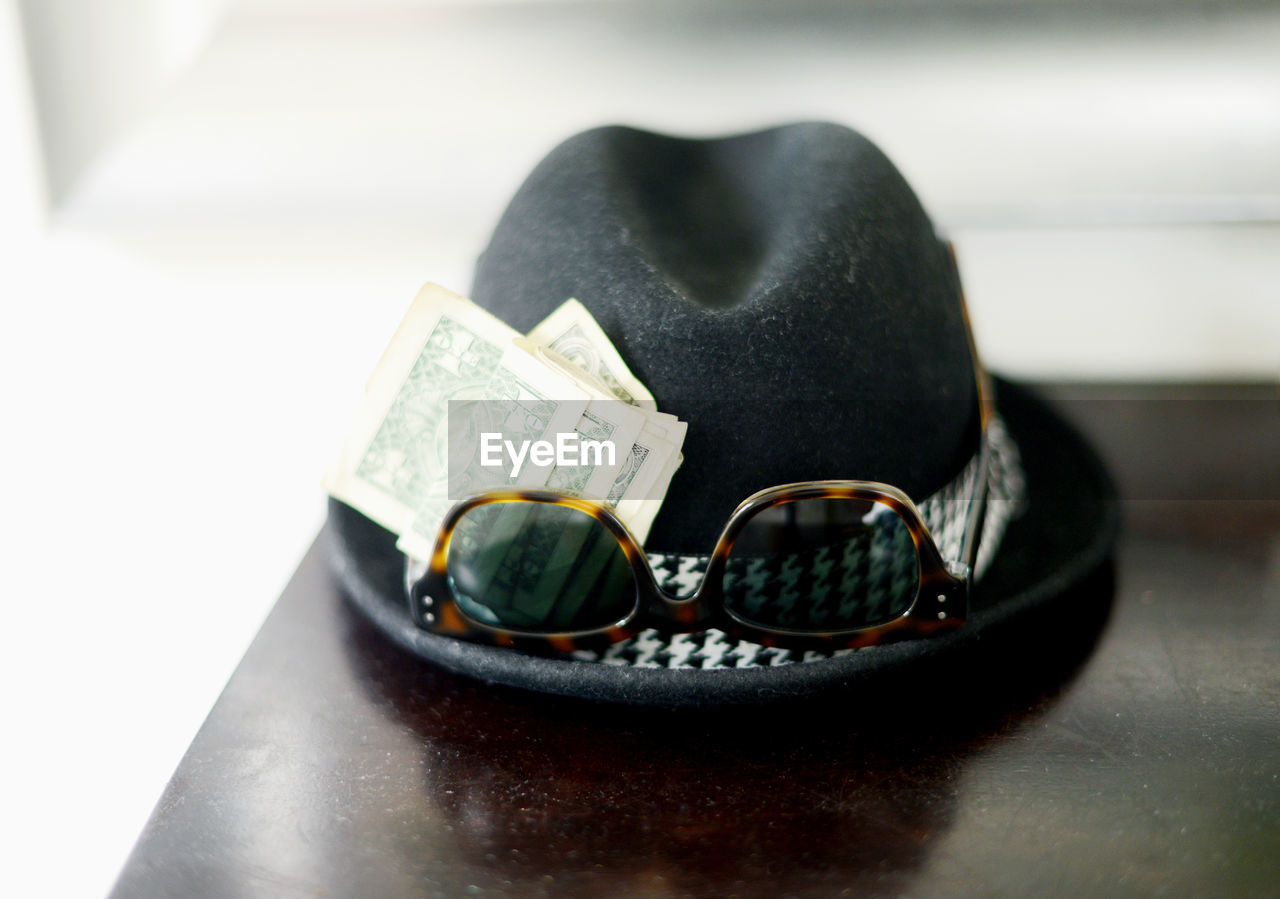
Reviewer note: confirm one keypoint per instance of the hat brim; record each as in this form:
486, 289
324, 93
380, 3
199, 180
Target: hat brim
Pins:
1065, 534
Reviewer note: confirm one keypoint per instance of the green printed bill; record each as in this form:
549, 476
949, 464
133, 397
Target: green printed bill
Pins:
574, 335
455, 376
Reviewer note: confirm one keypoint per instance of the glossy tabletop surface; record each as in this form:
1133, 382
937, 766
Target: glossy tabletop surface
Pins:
1129, 744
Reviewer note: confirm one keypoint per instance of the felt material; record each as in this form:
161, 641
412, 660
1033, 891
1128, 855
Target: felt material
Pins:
783, 292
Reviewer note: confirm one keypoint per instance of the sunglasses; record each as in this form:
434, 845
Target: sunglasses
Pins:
818, 564
813, 565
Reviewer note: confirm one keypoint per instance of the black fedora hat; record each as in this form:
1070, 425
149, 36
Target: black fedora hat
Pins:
786, 294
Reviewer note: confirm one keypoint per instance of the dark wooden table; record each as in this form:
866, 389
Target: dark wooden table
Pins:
1135, 749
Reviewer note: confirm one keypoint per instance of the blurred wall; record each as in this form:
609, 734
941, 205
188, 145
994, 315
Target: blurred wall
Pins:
1107, 170
95, 64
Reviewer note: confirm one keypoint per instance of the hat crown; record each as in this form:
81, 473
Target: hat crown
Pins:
783, 291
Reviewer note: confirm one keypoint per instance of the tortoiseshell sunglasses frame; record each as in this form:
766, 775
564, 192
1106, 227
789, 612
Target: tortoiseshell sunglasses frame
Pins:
940, 604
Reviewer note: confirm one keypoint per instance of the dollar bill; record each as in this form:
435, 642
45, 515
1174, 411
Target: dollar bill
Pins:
580, 376
394, 456
607, 419
572, 333
403, 465
638, 502
533, 403
575, 339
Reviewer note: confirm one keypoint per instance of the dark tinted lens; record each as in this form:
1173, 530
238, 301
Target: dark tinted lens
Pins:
539, 567
822, 565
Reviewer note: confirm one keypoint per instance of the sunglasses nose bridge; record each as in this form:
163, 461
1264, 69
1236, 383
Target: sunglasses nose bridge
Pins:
684, 613
689, 609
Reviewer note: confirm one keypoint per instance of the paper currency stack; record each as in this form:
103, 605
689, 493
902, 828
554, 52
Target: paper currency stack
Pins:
449, 355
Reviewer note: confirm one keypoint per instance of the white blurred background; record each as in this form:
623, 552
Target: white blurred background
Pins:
213, 213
